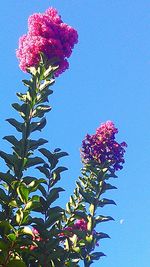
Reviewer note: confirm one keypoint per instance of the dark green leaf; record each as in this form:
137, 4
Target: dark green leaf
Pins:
87, 196
9, 159
38, 126
53, 195
101, 236
5, 228
44, 170
97, 255
11, 139
16, 263
33, 161
43, 97
54, 217
6, 177
45, 85
3, 196
56, 174
107, 186
28, 83
102, 218
3, 245
61, 154
38, 221
105, 201
51, 157
34, 144
54, 210
16, 124
41, 110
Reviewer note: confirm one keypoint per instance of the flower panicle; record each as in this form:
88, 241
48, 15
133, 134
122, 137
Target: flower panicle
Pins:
47, 34
102, 147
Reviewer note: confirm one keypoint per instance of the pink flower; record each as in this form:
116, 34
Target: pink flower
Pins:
36, 237
49, 35
102, 147
80, 225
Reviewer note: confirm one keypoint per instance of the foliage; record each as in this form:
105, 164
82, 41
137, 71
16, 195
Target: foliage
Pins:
34, 230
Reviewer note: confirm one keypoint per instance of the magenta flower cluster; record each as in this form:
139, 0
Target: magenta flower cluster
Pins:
80, 225
49, 35
102, 147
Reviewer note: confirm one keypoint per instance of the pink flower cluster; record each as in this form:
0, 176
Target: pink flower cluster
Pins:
49, 35
80, 225
36, 237
102, 147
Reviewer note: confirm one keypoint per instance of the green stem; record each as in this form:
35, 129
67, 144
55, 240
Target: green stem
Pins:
86, 263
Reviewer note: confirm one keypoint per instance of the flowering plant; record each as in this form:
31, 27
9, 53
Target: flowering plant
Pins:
34, 231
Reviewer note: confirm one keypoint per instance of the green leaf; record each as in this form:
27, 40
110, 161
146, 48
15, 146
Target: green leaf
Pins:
33, 161
23, 193
38, 221
11, 237
33, 186
3, 196
44, 170
41, 110
24, 109
34, 144
56, 174
13, 203
53, 195
24, 97
87, 196
43, 97
80, 215
45, 85
101, 236
6, 177
50, 71
5, 228
55, 210
11, 139
16, 124
68, 208
97, 255
28, 83
61, 154
102, 218
16, 263
32, 70
105, 201
51, 157
25, 231
9, 159
54, 217
107, 186
38, 126
19, 216
3, 245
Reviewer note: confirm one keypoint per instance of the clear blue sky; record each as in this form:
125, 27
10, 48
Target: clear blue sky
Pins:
108, 79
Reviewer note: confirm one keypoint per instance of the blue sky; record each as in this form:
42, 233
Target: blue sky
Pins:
108, 79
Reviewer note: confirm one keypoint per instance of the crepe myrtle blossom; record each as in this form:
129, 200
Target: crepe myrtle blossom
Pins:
47, 34
102, 147
80, 225
35, 237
